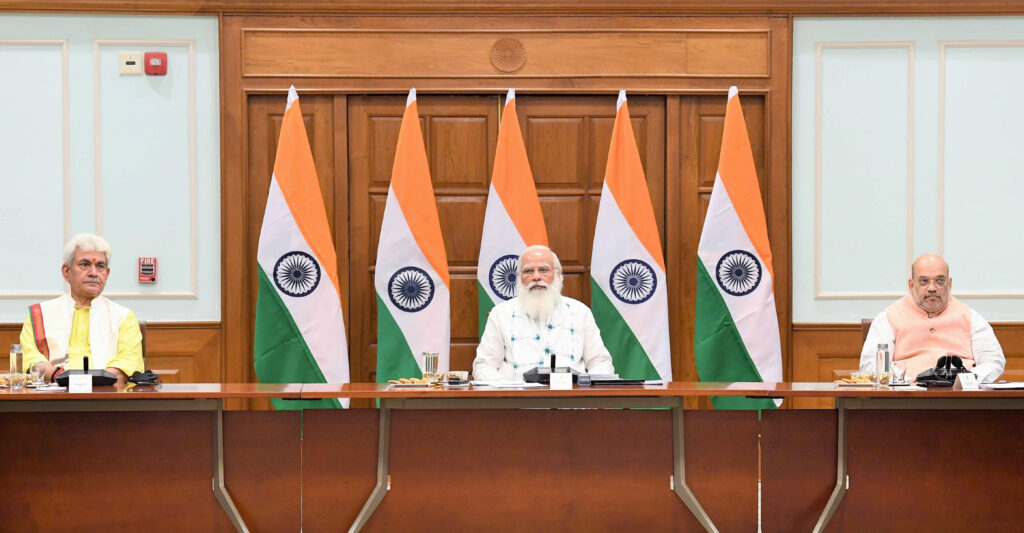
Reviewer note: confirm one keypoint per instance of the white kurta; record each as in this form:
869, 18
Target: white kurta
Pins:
989, 360
513, 343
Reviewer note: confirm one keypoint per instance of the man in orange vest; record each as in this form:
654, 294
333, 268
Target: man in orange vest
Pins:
928, 323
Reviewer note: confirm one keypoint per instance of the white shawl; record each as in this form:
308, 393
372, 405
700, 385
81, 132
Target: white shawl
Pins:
105, 319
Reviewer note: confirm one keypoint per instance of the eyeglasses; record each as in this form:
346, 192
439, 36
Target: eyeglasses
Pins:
86, 265
940, 282
529, 271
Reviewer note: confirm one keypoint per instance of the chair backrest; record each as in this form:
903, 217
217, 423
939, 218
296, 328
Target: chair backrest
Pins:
865, 326
142, 329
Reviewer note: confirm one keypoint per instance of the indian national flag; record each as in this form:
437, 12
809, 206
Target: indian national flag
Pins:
629, 297
411, 274
300, 329
736, 334
513, 220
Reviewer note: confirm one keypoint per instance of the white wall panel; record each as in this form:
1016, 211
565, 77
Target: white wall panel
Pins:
863, 166
142, 157
881, 177
982, 134
34, 161
145, 142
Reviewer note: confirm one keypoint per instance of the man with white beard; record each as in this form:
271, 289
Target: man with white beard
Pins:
524, 332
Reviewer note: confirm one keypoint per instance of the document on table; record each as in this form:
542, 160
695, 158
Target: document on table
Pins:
508, 384
1003, 385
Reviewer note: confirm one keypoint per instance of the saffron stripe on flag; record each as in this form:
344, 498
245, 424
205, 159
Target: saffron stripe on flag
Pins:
736, 329
411, 272
300, 326
629, 297
513, 219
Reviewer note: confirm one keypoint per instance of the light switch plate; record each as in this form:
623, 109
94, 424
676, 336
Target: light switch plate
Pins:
129, 62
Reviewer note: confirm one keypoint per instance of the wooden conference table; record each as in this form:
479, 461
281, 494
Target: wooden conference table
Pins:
143, 458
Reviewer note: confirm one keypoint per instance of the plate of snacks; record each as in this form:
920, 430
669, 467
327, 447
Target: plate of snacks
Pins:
403, 383
856, 379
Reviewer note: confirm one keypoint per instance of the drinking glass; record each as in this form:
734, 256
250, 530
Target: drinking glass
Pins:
38, 373
16, 379
430, 365
897, 374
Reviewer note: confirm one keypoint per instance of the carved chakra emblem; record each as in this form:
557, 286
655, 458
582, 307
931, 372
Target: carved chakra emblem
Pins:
508, 55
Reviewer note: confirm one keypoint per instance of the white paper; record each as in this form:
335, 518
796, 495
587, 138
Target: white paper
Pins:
561, 381
1006, 385
507, 384
80, 383
965, 381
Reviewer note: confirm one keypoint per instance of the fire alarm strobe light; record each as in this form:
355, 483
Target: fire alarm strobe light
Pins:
156, 63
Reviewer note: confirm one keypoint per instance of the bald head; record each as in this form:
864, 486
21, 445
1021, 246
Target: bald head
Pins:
930, 283
929, 261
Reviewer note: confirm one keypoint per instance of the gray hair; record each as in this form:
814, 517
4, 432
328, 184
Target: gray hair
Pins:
539, 248
86, 242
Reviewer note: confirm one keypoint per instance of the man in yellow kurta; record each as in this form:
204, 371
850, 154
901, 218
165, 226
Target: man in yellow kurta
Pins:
83, 323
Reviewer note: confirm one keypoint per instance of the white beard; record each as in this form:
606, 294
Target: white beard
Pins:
539, 303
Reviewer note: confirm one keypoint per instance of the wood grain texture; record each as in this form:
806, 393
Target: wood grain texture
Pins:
237, 261
819, 350
181, 352
566, 124
443, 53
560, 7
892, 458
262, 466
511, 466
77, 471
566, 139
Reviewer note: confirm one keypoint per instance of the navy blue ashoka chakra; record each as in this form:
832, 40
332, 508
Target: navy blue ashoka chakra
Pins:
738, 273
296, 274
633, 281
411, 289
503, 276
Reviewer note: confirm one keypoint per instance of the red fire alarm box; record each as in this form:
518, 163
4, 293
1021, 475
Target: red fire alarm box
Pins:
147, 270
156, 63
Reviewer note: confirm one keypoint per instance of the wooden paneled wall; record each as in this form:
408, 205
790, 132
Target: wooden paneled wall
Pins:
570, 7
348, 57
821, 349
352, 74
181, 352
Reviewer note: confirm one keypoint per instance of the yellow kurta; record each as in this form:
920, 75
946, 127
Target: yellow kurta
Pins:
129, 344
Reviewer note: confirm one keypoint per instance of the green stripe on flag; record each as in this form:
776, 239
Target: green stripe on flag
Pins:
484, 305
280, 353
718, 348
628, 355
394, 357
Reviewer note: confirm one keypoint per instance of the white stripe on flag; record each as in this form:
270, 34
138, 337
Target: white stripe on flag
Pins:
647, 320
428, 329
754, 313
500, 238
318, 315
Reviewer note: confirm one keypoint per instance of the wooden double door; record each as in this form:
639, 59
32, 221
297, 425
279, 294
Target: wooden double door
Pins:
353, 139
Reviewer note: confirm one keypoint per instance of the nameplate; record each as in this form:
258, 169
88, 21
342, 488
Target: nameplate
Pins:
966, 381
561, 381
80, 383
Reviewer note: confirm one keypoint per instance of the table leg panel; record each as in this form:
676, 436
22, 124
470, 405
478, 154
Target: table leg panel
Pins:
262, 467
567, 469
115, 471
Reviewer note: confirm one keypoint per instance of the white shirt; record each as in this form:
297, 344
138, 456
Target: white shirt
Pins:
989, 360
513, 343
